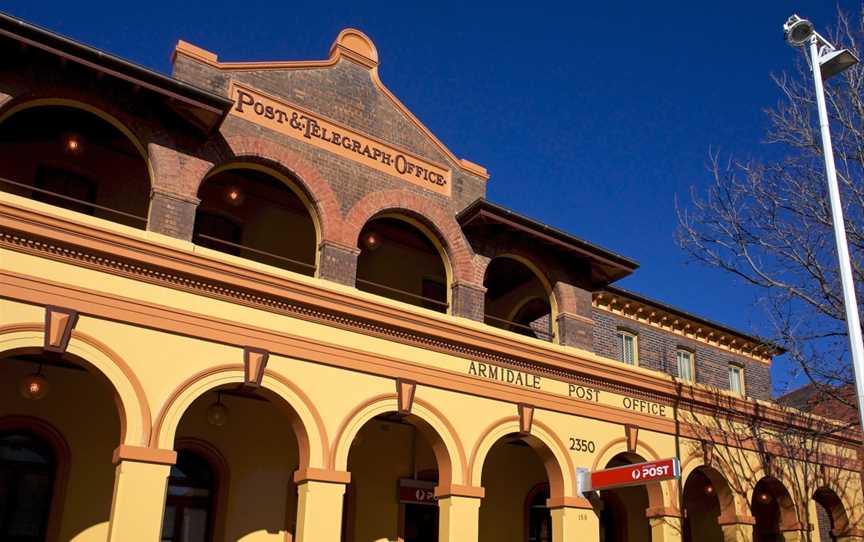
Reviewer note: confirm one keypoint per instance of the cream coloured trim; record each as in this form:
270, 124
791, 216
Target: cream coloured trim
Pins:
676, 325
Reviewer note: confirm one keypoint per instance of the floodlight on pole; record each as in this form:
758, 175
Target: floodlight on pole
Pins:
826, 62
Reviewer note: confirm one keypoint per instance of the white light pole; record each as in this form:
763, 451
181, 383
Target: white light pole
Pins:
828, 61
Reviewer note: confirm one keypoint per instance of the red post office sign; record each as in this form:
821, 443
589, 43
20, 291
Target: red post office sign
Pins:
417, 492
637, 474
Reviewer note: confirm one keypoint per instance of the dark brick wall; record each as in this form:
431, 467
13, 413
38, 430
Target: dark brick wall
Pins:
657, 351
347, 94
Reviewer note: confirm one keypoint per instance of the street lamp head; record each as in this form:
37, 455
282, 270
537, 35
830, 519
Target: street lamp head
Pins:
797, 31
835, 62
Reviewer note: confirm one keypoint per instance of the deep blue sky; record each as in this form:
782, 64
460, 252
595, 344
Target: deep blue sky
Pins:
590, 116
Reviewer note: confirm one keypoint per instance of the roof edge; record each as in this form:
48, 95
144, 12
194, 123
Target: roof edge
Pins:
352, 45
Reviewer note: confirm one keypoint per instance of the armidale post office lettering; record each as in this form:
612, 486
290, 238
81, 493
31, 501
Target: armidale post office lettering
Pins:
299, 124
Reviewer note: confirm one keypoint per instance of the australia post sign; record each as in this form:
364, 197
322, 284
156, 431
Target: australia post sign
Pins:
633, 475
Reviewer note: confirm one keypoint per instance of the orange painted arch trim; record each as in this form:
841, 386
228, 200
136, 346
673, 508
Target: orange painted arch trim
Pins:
146, 418
302, 438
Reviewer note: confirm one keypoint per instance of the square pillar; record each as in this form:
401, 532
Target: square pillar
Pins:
319, 505
172, 215
338, 263
737, 528
794, 536
459, 518
665, 528
140, 485
737, 532
573, 520
575, 330
468, 300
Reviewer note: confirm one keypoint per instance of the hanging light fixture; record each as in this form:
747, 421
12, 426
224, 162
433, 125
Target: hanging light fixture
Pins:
709, 489
764, 497
234, 195
217, 413
73, 143
34, 386
371, 240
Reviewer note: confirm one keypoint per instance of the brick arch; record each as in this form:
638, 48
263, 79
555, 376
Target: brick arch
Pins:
440, 221
137, 132
308, 179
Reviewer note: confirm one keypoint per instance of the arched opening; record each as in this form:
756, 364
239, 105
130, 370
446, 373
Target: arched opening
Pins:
189, 504
74, 159
516, 299
622, 514
236, 441
400, 261
517, 488
36, 391
394, 472
831, 518
27, 473
771, 507
253, 212
702, 507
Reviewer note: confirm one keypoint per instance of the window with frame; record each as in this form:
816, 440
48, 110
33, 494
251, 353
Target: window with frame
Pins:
190, 502
736, 378
27, 471
628, 350
686, 365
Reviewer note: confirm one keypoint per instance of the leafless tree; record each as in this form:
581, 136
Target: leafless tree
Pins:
768, 221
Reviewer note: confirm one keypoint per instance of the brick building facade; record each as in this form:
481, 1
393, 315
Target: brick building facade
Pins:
261, 301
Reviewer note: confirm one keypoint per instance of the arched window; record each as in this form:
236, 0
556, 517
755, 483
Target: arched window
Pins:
191, 496
74, 159
399, 261
249, 212
27, 471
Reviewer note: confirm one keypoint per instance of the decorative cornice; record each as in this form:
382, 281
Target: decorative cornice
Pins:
658, 317
87, 246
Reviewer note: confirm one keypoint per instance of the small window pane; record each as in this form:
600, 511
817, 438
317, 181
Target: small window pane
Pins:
735, 378
685, 365
627, 343
194, 525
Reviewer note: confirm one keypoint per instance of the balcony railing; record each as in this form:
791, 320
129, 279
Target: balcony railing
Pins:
295, 263
84, 203
545, 335
428, 302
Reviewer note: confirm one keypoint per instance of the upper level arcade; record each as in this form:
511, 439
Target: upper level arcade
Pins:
302, 174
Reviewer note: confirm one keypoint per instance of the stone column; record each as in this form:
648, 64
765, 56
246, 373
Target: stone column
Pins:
140, 484
171, 214
459, 513
737, 528
319, 505
573, 520
338, 263
467, 300
665, 524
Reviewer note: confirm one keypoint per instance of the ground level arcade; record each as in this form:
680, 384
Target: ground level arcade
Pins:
276, 428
